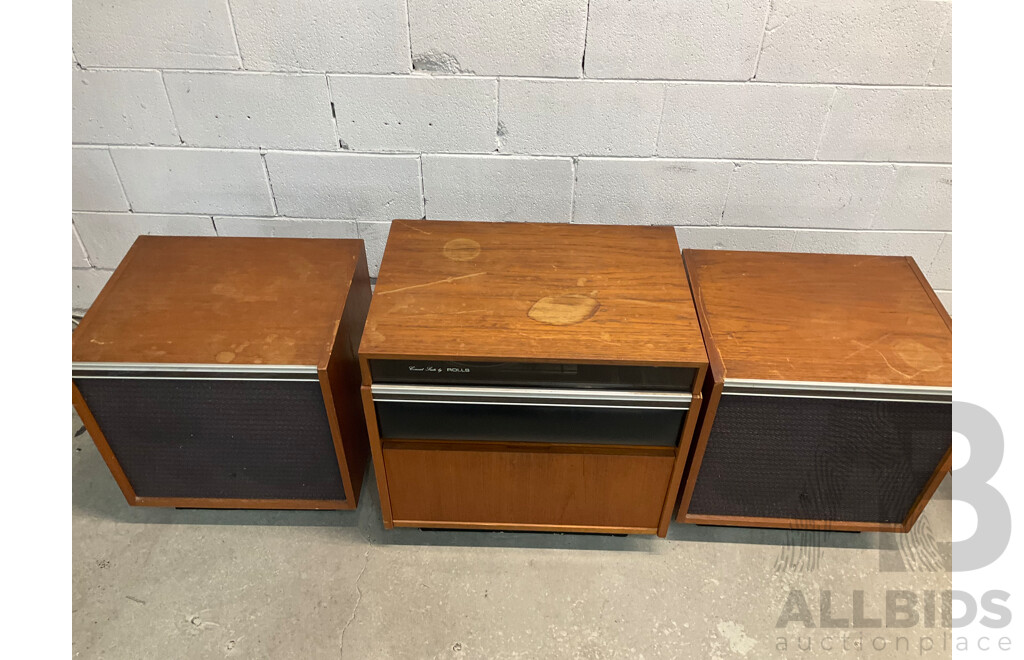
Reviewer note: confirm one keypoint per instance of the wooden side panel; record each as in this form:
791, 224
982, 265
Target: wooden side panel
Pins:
379, 468
712, 393
504, 487
941, 470
341, 393
682, 455
939, 307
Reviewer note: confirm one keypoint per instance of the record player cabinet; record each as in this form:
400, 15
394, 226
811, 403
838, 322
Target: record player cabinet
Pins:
537, 377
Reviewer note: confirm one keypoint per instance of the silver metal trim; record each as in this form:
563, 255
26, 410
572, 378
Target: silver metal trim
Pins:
194, 367
798, 395
193, 378
531, 396
175, 371
545, 404
833, 390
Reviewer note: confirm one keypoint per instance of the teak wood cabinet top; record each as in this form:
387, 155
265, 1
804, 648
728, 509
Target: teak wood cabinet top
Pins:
821, 318
575, 300
540, 292
207, 300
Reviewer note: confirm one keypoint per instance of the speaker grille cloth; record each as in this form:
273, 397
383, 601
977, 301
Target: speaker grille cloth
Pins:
218, 438
819, 459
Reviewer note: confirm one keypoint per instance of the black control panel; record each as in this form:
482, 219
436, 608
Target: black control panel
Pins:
534, 374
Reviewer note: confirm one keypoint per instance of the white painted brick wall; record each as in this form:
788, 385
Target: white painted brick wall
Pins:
348, 186
742, 121
854, 41
626, 191
239, 110
501, 188
375, 236
890, 124
685, 39
79, 259
183, 34
323, 35
392, 113
194, 181
924, 247
805, 195
120, 107
94, 182
569, 117
942, 67
107, 236
919, 197
86, 284
514, 37
285, 227
802, 125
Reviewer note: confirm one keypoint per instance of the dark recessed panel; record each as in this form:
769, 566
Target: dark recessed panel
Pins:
534, 374
244, 439
819, 459
526, 423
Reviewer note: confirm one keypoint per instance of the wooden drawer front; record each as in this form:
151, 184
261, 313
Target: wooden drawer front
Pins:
508, 485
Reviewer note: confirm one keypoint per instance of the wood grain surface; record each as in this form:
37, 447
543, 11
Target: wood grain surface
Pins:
486, 486
533, 292
207, 300
821, 318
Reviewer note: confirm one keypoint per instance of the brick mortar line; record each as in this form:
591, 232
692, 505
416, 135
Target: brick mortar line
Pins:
764, 36
419, 75
287, 218
270, 184
81, 243
170, 107
572, 191
120, 180
491, 154
408, 27
423, 188
825, 122
234, 35
938, 45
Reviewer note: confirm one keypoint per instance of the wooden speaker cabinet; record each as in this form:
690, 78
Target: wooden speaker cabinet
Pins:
222, 372
830, 401
531, 376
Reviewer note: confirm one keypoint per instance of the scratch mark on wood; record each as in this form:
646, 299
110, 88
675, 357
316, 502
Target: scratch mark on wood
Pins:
447, 280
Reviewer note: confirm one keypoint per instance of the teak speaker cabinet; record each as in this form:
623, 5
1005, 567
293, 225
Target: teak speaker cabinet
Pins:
222, 372
829, 401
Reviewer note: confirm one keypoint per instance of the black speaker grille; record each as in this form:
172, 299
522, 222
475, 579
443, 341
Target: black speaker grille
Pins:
244, 439
819, 459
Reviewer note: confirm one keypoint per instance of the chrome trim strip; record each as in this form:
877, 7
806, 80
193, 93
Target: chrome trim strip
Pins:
835, 397
545, 404
174, 371
831, 390
194, 378
530, 396
194, 367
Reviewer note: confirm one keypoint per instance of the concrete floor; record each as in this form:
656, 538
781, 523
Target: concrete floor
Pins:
159, 583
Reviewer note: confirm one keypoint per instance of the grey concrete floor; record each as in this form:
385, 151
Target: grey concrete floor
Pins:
166, 583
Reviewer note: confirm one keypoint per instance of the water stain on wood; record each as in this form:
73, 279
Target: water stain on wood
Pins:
461, 249
566, 309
